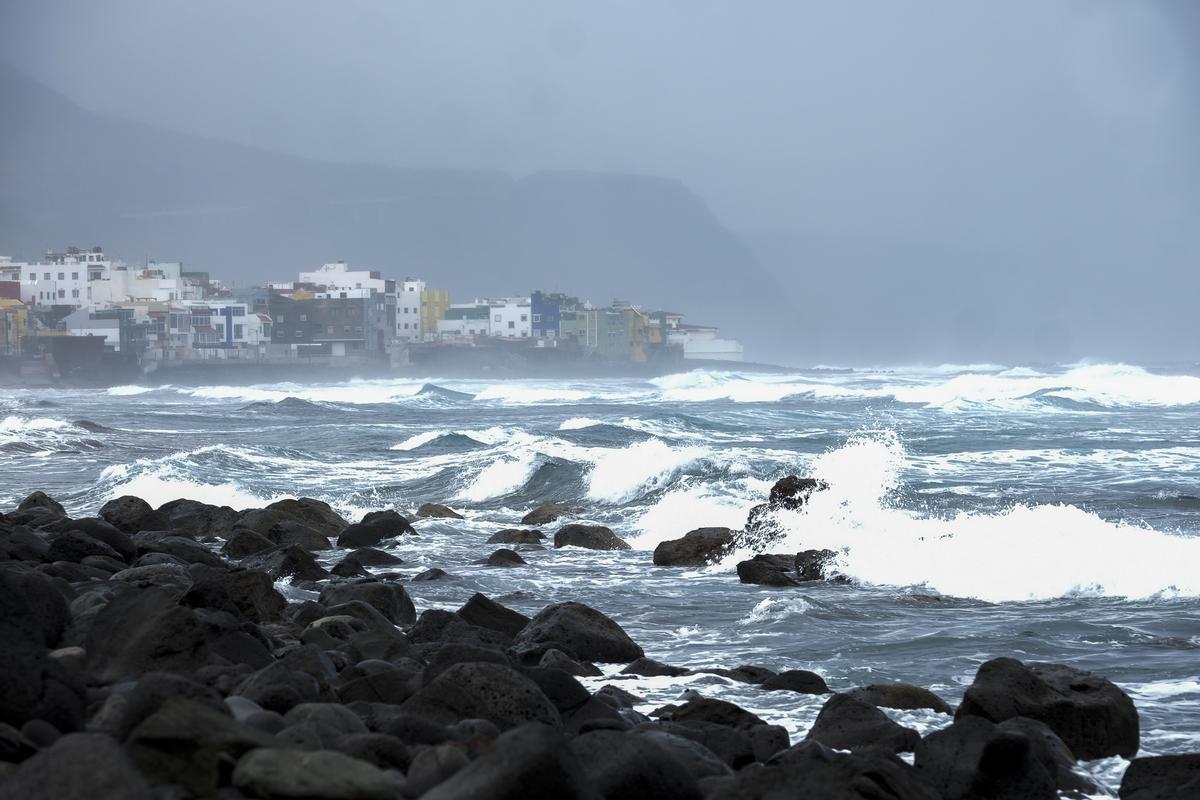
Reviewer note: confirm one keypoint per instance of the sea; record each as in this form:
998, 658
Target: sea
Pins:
1044, 513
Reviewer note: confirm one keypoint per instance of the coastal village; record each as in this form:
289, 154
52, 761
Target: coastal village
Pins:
81, 315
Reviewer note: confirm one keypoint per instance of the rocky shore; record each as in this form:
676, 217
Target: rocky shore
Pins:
148, 653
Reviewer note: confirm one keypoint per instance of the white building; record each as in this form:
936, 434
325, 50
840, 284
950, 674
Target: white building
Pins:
338, 277
465, 320
510, 318
228, 325
702, 342
408, 308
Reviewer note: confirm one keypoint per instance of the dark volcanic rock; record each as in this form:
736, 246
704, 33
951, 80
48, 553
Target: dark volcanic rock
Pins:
493, 692
132, 514
290, 561
438, 511
651, 668
311, 513
746, 673
75, 546
527, 762
632, 767
276, 773
487, 613
816, 565
247, 593
389, 598
545, 514
431, 574
289, 532
40, 499
1162, 778
198, 520
732, 746
793, 491
592, 537
848, 724
1094, 717
32, 610
977, 758
900, 695
515, 536
797, 680
80, 766
245, 542
695, 548
503, 558
766, 570
144, 631
376, 527
578, 630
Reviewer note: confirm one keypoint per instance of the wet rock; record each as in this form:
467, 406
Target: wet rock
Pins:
40, 499
376, 527
515, 536
632, 767
651, 668
697, 547
431, 574
247, 593
591, 537
22, 544
450, 654
793, 492
289, 532
290, 561
316, 775
530, 761
484, 612
976, 758
245, 542
697, 759
79, 766
33, 611
503, 558
1162, 778
720, 712
197, 520
766, 570
389, 598
900, 695
139, 632
545, 514
355, 563
493, 692
185, 743
557, 659
439, 626
180, 548
578, 630
816, 565
313, 514
848, 724
746, 673
75, 546
132, 515
438, 511
797, 680
101, 531
563, 691
174, 578
1092, 715
732, 746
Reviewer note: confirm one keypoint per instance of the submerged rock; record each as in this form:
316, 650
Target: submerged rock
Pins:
503, 558
766, 570
515, 536
797, 680
695, 548
438, 511
545, 514
900, 695
40, 499
816, 565
592, 537
376, 527
1091, 714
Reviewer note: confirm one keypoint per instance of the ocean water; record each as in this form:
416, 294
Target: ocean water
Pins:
984, 510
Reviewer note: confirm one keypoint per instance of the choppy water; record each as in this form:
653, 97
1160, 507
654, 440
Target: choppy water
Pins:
1056, 512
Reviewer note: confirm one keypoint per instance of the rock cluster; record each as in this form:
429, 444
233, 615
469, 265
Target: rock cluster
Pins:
148, 654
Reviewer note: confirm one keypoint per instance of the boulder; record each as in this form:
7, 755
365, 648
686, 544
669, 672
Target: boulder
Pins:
289, 561
245, 542
591, 537
632, 766
34, 685
697, 547
493, 692
132, 515
433, 765
797, 680
848, 724
438, 511
75, 546
746, 673
545, 514
40, 499
289, 532
766, 570
976, 758
718, 712
385, 752
144, 631
453, 653
355, 563
1092, 715
650, 668
79, 766
816, 565
101, 531
313, 514
557, 659
793, 492
515, 536
32, 610
578, 630
732, 746
245, 593
527, 762
900, 695
503, 558
388, 597
315, 775
376, 527
431, 574
197, 520
487, 613
180, 548
1162, 778
699, 761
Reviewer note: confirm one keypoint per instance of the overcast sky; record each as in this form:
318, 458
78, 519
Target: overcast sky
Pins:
1060, 133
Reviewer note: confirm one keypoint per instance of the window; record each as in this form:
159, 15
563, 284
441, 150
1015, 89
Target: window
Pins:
524, 318
346, 329
74, 293
74, 276
46, 276
496, 318
33, 276
537, 317
239, 331
329, 329
62, 276
279, 318
406, 326
303, 317
511, 325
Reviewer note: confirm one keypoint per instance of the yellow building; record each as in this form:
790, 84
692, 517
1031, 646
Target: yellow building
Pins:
434, 303
14, 324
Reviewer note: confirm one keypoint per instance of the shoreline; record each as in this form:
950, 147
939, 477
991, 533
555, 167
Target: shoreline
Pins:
162, 633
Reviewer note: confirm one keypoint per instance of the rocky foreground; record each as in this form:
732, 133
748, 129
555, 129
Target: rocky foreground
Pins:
148, 654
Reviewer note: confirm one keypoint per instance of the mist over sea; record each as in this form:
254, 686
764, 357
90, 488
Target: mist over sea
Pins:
1047, 513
